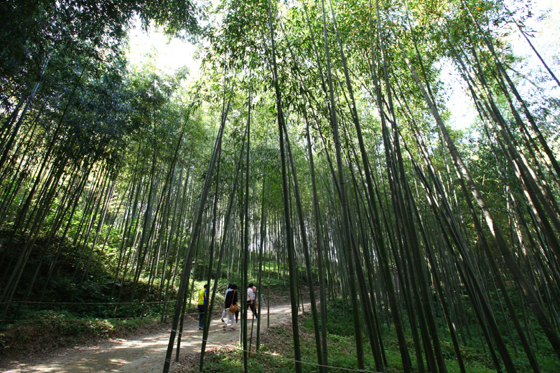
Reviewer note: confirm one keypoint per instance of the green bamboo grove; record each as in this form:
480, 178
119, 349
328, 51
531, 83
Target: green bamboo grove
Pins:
312, 149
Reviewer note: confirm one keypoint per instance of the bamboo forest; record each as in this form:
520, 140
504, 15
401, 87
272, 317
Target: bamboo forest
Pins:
311, 154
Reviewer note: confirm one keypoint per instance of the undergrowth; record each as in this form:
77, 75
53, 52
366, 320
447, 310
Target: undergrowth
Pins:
48, 330
276, 352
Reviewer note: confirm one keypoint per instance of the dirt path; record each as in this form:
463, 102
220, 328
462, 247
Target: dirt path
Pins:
140, 354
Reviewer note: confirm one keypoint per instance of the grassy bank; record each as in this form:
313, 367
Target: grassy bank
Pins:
276, 351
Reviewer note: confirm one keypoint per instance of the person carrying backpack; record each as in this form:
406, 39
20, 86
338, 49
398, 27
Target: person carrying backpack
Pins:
202, 302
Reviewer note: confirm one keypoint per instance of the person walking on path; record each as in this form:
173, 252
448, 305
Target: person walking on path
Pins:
231, 307
202, 302
225, 296
251, 299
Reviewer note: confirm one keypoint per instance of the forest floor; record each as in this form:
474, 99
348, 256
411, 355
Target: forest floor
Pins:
142, 352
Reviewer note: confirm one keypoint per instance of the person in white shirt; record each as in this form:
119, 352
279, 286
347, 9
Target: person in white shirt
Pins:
251, 299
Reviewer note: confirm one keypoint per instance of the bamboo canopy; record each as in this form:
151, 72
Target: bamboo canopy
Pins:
314, 145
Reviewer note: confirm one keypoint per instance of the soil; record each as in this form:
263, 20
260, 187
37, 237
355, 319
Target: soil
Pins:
139, 353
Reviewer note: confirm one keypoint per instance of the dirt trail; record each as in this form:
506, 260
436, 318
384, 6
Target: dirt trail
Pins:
141, 354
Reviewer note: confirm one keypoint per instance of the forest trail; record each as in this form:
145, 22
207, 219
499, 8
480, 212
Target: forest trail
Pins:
142, 353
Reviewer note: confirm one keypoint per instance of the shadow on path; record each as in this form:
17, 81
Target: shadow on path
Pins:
144, 353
